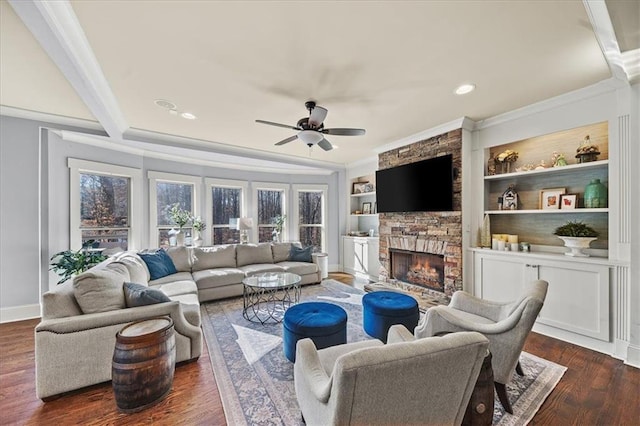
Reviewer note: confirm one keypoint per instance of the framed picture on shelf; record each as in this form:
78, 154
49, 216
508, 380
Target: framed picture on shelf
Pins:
359, 187
568, 201
366, 208
550, 198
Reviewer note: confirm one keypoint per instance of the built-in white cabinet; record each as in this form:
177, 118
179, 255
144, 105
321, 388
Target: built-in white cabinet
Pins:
360, 256
577, 299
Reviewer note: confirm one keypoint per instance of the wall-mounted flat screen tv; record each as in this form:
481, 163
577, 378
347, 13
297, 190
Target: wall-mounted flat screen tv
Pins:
423, 186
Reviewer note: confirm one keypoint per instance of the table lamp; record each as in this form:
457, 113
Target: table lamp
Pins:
243, 225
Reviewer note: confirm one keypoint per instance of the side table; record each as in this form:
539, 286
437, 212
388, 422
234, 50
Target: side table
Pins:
143, 364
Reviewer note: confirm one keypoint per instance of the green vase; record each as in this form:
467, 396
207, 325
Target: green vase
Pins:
595, 195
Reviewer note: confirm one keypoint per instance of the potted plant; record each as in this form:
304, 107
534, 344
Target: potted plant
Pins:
198, 227
69, 263
576, 236
180, 217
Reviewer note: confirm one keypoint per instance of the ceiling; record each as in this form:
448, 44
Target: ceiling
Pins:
389, 67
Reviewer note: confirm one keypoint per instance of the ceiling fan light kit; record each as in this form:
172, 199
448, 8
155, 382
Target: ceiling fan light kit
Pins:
311, 129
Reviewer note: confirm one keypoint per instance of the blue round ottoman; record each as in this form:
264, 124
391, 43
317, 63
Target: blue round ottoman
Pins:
324, 323
382, 309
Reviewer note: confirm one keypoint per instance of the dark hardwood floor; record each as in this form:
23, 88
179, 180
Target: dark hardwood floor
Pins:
595, 390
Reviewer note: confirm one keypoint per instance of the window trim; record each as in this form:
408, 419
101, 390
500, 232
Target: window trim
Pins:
76, 167
154, 177
210, 183
270, 186
297, 189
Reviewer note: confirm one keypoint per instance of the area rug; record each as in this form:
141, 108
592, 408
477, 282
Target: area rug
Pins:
255, 379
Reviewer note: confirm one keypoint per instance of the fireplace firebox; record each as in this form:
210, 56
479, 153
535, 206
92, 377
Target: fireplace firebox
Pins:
422, 269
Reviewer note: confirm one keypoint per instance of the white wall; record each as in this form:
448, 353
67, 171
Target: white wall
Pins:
32, 230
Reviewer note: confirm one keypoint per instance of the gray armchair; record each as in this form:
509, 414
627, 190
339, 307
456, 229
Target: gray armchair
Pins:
506, 325
406, 381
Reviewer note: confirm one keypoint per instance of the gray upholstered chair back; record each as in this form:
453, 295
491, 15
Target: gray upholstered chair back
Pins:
426, 381
506, 325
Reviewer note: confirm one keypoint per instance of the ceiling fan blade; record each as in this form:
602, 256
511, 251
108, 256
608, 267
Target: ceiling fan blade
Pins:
287, 140
325, 144
271, 123
344, 132
318, 114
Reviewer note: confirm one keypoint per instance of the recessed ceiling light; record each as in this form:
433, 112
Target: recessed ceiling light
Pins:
463, 89
163, 103
188, 116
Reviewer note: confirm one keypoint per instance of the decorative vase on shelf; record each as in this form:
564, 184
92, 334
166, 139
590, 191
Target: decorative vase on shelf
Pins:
485, 235
172, 237
180, 237
197, 239
577, 244
595, 195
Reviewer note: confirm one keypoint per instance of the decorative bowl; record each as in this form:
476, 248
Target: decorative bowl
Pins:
577, 244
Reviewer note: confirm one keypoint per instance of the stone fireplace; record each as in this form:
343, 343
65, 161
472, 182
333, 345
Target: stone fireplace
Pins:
432, 236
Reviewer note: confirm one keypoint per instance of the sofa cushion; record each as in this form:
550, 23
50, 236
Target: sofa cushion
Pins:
300, 268
260, 268
214, 257
300, 254
280, 251
138, 271
100, 289
218, 277
159, 264
181, 257
179, 276
60, 302
247, 254
177, 288
141, 295
190, 308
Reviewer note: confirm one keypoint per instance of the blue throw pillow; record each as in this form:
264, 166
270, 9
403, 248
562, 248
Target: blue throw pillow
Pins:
298, 254
159, 264
141, 295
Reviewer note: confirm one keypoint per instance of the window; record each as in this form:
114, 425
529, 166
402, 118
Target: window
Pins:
166, 190
310, 215
225, 200
104, 205
270, 202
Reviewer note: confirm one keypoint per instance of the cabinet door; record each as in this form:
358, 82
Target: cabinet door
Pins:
348, 254
373, 258
360, 255
500, 279
577, 299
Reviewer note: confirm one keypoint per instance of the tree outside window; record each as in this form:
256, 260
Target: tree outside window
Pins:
270, 206
310, 224
105, 210
169, 194
226, 205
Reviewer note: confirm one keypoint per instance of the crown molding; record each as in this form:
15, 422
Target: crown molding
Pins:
62, 120
56, 28
459, 123
188, 155
200, 145
603, 87
606, 36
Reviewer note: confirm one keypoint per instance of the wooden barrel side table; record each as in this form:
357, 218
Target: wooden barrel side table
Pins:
143, 364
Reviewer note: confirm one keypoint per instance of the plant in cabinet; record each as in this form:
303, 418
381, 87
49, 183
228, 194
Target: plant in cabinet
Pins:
576, 236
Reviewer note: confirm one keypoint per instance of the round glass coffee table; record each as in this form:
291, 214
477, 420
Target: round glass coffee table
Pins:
267, 296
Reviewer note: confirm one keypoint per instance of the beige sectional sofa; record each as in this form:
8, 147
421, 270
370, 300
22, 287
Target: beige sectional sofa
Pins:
80, 318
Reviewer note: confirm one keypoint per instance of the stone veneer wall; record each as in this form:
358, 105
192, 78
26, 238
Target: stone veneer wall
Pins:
431, 232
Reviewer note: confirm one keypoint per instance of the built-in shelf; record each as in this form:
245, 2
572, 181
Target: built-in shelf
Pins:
365, 215
551, 170
364, 194
556, 211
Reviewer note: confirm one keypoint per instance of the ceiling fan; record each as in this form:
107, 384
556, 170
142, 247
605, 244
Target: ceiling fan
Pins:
311, 129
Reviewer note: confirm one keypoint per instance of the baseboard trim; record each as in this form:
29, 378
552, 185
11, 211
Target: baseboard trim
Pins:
633, 356
335, 268
19, 313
